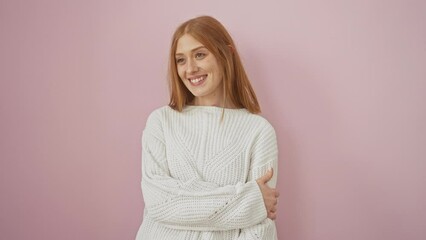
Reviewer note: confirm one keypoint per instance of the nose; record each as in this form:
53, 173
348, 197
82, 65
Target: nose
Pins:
191, 66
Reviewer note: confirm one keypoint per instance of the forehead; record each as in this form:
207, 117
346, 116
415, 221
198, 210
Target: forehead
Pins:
186, 44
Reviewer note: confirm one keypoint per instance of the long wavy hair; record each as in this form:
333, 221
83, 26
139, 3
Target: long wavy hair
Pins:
213, 35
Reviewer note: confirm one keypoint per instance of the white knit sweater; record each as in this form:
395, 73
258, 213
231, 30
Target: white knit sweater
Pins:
198, 174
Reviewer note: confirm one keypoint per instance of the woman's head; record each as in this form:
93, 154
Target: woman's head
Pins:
203, 58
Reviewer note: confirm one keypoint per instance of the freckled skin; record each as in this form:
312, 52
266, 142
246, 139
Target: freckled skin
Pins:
194, 60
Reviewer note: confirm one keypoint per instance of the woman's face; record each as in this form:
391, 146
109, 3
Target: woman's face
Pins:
199, 70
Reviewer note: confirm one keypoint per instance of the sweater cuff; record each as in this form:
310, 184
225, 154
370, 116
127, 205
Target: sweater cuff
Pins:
252, 208
260, 207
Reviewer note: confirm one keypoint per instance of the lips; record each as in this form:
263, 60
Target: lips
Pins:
197, 80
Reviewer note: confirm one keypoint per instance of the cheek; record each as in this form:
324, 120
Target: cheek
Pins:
180, 72
217, 71
208, 66
214, 67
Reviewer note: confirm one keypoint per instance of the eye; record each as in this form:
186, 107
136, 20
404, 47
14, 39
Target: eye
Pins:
180, 60
200, 55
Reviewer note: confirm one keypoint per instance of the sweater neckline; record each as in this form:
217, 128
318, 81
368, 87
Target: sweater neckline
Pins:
214, 108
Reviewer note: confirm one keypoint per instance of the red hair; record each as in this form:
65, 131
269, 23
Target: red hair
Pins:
213, 35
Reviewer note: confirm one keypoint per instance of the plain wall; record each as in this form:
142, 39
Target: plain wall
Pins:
343, 83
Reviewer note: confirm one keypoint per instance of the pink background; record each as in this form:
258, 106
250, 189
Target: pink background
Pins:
343, 82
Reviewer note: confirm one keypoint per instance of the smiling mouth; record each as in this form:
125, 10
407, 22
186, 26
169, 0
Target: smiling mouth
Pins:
197, 80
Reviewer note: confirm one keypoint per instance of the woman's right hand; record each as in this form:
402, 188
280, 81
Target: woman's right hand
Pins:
270, 195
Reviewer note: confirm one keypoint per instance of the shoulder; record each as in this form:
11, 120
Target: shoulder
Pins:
157, 118
159, 115
261, 124
265, 139
262, 133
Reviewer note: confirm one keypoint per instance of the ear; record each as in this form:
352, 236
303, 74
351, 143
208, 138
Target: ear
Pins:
231, 48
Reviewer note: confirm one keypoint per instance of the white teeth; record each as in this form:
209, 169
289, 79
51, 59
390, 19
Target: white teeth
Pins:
195, 80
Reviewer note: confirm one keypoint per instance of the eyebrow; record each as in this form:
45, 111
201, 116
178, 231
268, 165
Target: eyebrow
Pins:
193, 50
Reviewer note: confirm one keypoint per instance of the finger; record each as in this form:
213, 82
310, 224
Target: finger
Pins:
277, 194
273, 209
272, 215
269, 175
265, 178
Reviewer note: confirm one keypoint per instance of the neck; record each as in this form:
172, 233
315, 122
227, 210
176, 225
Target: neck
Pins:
217, 102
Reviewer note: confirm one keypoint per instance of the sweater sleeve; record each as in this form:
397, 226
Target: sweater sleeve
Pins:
264, 157
194, 204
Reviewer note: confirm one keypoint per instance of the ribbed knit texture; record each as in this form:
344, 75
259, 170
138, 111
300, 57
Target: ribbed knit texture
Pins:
198, 174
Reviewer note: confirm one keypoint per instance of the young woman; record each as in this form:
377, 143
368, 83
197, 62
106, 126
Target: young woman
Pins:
208, 158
